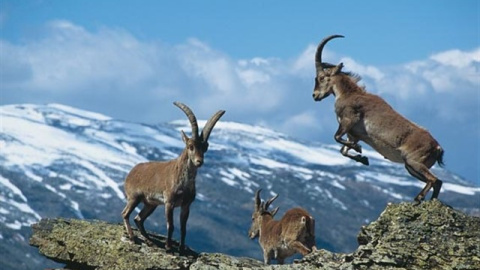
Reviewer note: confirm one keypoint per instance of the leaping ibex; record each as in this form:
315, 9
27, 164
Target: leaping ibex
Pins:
279, 239
366, 117
171, 183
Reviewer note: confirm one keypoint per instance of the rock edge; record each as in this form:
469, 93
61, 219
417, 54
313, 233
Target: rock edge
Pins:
431, 235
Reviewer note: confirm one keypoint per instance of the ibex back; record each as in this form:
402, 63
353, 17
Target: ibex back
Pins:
367, 117
171, 183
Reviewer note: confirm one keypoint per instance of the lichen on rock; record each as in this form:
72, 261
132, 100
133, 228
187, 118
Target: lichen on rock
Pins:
431, 235
99, 245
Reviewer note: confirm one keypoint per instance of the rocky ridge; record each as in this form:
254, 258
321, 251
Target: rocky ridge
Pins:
431, 235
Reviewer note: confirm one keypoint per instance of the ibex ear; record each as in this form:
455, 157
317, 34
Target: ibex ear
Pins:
274, 211
337, 69
184, 137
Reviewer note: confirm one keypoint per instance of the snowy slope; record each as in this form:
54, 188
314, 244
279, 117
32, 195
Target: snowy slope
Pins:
61, 161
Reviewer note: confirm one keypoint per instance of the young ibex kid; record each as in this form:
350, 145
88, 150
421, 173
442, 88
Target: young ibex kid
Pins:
294, 233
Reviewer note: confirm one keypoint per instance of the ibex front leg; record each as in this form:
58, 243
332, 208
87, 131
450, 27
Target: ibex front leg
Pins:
351, 142
183, 224
131, 204
266, 256
169, 217
358, 158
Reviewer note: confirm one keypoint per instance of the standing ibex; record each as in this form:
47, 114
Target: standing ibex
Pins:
367, 117
171, 183
294, 233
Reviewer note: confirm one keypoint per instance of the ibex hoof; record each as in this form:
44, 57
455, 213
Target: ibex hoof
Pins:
418, 200
364, 161
131, 240
149, 242
357, 148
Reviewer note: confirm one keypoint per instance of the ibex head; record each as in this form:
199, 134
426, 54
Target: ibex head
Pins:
260, 210
197, 145
325, 71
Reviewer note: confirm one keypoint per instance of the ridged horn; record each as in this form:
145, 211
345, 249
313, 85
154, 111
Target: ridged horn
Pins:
210, 124
258, 201
318, 55
267, 204
191, 118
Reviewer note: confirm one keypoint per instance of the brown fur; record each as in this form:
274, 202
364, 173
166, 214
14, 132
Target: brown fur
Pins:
279, 239
366, 117
171, 183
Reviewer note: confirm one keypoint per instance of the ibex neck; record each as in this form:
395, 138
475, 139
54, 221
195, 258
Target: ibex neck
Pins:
188, 170
267, 226
267, 220
345, 86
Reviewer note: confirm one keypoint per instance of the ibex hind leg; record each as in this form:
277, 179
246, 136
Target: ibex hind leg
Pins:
436, 188
146, 211
421, 172
300, 247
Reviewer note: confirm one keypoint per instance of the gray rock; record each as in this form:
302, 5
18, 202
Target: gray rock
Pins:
405, 236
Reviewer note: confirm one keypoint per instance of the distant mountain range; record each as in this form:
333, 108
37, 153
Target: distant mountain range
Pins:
59, 161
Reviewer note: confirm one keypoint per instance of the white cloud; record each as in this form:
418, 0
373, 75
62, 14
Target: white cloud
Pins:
304, 120
201, 62
113, 72
457, 58
451, 71
363, 71
70, 58
304, 64
253, 72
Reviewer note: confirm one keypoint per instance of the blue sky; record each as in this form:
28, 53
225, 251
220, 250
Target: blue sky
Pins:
131, 59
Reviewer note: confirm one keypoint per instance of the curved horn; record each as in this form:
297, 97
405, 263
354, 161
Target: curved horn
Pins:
267, 204
318, 55
258, 201
191, 118
210, 124
274, 211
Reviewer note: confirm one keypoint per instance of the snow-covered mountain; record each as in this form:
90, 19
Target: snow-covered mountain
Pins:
61, 161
